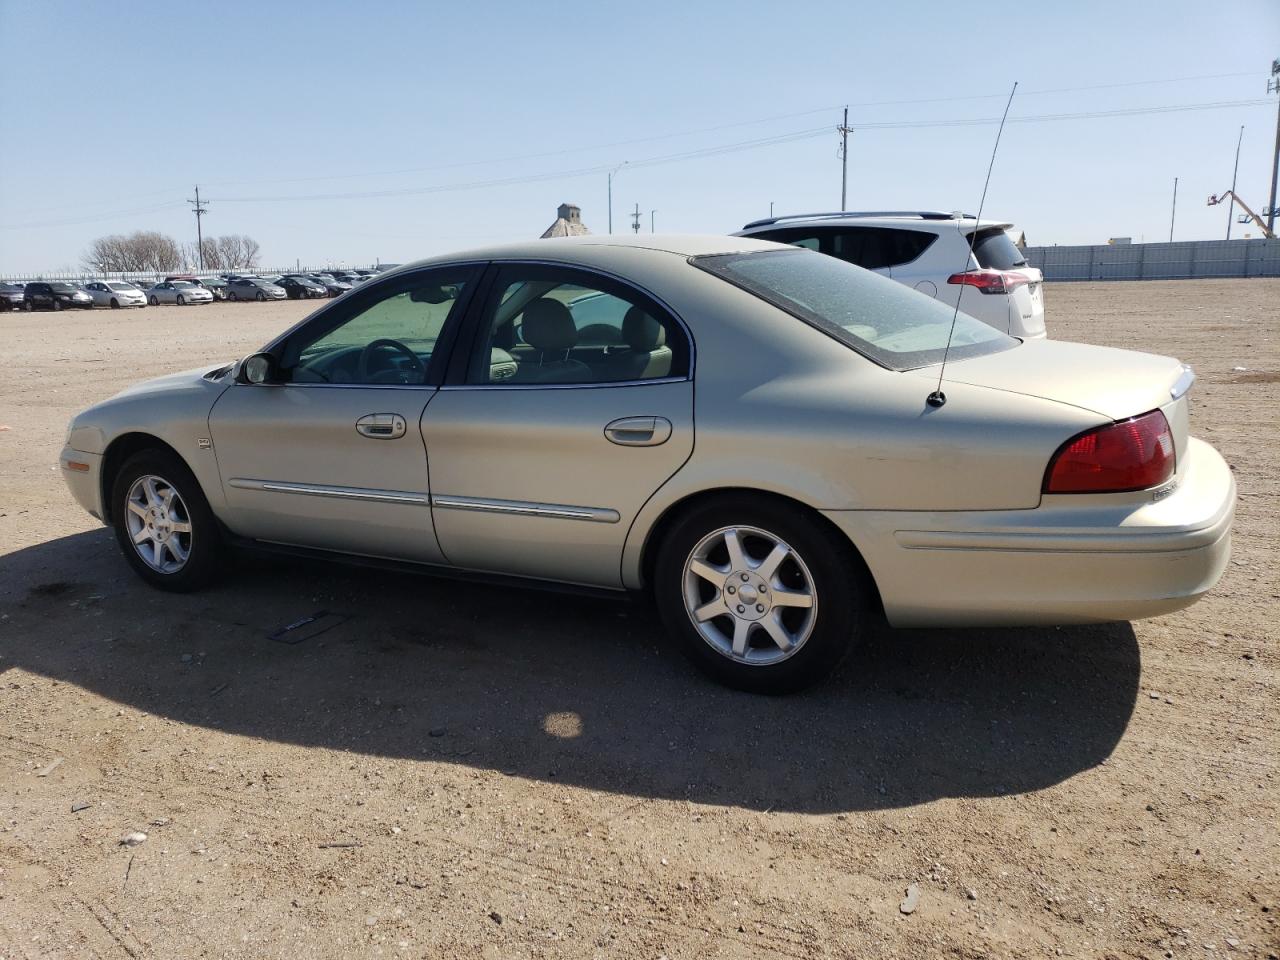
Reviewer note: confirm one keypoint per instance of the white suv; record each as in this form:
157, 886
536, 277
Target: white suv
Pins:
928, 251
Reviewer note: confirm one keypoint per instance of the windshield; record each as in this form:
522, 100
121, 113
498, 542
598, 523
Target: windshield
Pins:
183, 283
122, 287
878, 317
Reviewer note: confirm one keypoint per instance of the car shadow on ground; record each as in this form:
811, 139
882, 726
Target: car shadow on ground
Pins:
563, 688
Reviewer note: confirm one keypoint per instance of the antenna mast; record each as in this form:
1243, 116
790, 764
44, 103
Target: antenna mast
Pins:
938, 398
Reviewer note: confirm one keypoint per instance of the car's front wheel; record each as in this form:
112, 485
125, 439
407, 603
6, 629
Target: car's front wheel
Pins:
261, 296
182, 301
163, 522
115, 304
761, 595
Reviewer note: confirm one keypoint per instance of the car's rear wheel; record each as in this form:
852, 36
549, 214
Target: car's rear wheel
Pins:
27, 306
154, 300
163, 522
57, 304
761, 595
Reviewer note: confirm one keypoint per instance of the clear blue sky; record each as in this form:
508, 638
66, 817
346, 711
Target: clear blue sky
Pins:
114, 111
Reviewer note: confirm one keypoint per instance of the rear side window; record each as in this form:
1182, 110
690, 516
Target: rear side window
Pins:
994, 250
873, 248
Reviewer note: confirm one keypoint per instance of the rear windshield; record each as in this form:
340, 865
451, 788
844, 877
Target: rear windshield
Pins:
993, 249
64, 287
878, 317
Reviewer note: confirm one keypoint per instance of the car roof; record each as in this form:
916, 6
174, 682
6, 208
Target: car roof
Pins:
924, 220
597, 250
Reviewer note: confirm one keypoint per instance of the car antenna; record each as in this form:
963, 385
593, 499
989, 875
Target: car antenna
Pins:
938, 398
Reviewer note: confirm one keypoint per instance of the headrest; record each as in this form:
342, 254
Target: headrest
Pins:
548, 326
641, 331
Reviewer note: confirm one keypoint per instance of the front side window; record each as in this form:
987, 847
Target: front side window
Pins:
878, 317
386, 339
552, 325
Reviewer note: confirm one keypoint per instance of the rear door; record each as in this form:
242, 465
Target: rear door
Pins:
571, 405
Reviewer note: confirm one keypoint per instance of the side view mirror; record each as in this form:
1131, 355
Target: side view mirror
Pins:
258, 369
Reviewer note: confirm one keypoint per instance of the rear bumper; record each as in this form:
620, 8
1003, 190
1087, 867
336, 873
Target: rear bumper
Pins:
1071, 560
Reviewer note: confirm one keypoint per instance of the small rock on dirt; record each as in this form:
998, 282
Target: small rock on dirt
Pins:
911, 900
971, 893
80, 805
133, 839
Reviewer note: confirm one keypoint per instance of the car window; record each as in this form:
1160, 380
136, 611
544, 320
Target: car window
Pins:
994, 249
387, 341
869, 313
873, 248
550, 325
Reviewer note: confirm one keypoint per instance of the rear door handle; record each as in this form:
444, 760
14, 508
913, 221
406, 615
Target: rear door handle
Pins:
381, 426
638, 431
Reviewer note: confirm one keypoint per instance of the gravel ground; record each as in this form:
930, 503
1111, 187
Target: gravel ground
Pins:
470, 771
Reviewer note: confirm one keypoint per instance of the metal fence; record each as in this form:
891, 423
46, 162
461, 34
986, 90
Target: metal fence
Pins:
1159, 261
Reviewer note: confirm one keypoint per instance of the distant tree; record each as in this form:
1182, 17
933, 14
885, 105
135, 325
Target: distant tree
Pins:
143, 250
236, 251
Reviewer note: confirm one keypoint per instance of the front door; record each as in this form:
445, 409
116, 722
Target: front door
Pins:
332, 457
573, 406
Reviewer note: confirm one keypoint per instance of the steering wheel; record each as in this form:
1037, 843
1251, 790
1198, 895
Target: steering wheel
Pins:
362, 368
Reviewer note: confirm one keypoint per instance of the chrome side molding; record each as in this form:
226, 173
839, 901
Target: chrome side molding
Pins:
523, 508
340, 493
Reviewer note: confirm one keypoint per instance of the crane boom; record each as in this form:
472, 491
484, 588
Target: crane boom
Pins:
1217, 198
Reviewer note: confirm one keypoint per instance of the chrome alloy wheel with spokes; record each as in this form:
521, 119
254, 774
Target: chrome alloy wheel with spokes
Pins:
159, 524
750, 595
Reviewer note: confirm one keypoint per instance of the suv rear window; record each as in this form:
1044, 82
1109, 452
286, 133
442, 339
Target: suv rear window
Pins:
878, 317
993, 249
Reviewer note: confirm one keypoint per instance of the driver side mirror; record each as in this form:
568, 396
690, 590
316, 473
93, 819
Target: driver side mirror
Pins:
260, 368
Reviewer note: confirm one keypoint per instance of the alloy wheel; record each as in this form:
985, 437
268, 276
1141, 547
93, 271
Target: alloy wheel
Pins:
159, 524
750, 595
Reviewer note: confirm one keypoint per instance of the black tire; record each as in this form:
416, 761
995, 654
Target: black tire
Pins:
115, 304
153, 300
57, 304
843, 590
182, 301
233, 296
261, 296
205, 545
27, 306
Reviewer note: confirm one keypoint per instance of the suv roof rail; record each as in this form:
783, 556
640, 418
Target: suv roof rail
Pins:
922, 214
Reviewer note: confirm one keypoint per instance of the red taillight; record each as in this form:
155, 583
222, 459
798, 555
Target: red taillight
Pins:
990, 281
1130, 455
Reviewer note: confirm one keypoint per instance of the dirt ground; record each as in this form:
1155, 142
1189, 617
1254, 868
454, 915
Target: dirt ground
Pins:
469, 771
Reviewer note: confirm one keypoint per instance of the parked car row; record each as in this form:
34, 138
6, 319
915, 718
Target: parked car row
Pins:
179, 289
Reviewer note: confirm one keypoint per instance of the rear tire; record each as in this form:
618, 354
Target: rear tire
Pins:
57, 305
187, 558
153, 300
233, 296
751, 624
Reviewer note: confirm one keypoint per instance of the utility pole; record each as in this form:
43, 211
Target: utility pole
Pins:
1273, 86
199, 210
651, 213
844, 158
1231, 210
635, 219
1174, 212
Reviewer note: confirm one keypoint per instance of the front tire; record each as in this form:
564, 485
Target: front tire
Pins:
163, 522
761, 595
57, 305
181, 300
115, 304
261, 296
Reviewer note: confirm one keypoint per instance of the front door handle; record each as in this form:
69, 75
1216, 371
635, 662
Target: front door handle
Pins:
381, 426
638, 431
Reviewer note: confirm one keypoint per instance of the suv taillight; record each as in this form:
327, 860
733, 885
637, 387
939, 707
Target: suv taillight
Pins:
1129, 455
991, 281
